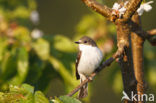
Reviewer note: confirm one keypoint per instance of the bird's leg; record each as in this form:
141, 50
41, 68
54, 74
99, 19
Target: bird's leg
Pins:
90, 78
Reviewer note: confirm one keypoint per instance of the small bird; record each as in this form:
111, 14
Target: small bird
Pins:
88, 59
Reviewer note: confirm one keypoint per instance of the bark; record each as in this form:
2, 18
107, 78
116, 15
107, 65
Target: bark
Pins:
131, 7
137, 50
126, 63
101, 9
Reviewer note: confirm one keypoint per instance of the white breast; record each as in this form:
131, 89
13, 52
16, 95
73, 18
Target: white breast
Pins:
91, 58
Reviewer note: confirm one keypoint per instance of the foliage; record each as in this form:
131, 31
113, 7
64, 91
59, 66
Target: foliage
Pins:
23, 94
26, 94
22, 55
65, 99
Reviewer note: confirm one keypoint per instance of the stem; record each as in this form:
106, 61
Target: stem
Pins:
101, 9
137, 49
126, 63
131, 7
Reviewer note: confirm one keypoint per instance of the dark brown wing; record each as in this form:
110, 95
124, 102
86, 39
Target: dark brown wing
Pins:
77, 63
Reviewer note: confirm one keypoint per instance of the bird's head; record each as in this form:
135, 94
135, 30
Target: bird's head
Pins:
86, 42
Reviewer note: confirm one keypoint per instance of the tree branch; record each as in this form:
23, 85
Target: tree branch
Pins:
137, 50
151, 32
149, 35
131, 8
101, 67
152, 36
101, 9
126, 63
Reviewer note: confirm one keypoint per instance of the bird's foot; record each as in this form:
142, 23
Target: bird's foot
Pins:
90, 79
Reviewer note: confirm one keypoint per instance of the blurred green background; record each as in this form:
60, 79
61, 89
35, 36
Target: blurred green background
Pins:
37, 47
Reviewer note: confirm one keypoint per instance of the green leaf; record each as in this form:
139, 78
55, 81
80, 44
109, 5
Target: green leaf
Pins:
40, 98
87, 23
1, 96
67, 99
22, 63
22, 66
28, 91
21, 12
42, 48
28, 88
3, 45
22, 94
32, 4
9, 64
62, 43
22, 35
63, 71
56, 100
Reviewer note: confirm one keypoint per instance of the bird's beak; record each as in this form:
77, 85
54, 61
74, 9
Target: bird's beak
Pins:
77, 42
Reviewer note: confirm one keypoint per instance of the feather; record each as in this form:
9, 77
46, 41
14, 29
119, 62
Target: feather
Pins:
77, 63
84, 90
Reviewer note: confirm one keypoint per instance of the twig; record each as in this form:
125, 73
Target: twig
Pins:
81, 85
101, 9
152, 32
131, 7
138, 29
101, 67
149, 35
152, 37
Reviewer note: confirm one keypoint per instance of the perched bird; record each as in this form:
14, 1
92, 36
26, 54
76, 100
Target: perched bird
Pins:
88, 59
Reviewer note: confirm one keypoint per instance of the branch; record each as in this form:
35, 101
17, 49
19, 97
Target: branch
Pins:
151, 36
147, 35
102, 66
137, 50
151, 32
131, 8
126, 63
101, 9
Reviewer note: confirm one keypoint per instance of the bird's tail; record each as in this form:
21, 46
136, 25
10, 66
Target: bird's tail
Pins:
84, 90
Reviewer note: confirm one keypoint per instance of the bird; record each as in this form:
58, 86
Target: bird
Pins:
88, 59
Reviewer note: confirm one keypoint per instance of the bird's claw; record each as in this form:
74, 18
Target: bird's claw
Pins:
90, 79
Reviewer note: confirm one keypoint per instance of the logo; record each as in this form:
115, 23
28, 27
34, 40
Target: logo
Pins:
138, 97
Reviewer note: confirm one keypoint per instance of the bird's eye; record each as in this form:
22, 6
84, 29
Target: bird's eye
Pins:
85, 41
